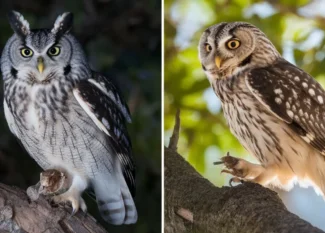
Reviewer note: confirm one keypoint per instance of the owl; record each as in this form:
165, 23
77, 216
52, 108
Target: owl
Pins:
69, 117
275, 109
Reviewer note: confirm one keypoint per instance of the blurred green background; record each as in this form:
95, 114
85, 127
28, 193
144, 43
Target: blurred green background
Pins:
296, 27
122, 39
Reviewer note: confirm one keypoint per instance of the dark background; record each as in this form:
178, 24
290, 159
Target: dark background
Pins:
122, 39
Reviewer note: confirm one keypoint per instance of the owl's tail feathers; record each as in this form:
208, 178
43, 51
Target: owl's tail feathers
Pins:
116, 206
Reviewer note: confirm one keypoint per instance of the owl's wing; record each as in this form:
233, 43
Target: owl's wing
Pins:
101, 100
293, 96
10, 119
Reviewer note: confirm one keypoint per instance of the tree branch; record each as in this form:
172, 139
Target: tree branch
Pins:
174, 138
19, 215
193, 204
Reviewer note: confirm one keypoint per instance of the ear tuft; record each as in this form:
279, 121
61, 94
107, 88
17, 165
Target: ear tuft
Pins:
18, 23
63, 24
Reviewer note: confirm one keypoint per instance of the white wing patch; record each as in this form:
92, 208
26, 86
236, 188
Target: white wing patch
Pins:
101, 87
87, 107
112, 97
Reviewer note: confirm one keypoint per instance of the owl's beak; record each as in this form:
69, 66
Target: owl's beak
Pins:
40, 64
218, 62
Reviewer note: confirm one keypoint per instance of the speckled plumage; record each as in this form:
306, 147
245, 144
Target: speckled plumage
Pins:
275, 109
69, 117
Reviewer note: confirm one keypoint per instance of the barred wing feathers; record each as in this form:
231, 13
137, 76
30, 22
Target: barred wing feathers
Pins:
101, 100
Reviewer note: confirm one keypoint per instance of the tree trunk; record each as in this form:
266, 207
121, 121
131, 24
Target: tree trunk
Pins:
193, 204
18, 214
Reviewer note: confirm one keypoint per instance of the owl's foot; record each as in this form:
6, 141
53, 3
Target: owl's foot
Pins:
74, 197
235, 180
241, 169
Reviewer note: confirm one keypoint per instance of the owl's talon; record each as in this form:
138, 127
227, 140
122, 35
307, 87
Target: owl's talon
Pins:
218, 163
78, 205
74, 211
75, 205
235, 180
226, 171
223, 159
230, 182
83, 205
72, 198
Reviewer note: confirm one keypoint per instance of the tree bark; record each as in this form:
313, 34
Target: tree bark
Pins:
193, 204
18, 214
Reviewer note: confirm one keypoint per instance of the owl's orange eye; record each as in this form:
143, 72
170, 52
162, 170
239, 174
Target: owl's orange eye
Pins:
233, 44
208, 47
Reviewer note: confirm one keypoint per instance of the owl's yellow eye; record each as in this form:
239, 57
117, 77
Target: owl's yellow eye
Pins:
54, 51
26, 52
208, 47
233, 44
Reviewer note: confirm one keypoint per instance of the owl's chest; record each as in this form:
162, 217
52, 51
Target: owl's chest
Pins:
42, 116
33, 106
52, 128
258, 130
248, 123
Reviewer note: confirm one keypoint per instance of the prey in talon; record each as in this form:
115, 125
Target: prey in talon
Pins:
55, 185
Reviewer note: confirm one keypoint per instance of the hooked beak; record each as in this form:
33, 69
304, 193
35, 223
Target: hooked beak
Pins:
218, 62
40, 64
